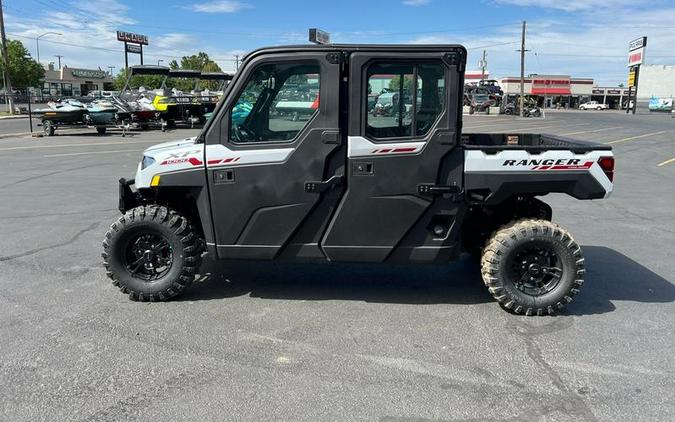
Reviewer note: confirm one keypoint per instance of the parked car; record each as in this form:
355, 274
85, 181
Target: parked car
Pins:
593, 105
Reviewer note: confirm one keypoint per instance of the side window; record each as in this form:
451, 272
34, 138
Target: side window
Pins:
277, 102
404, 100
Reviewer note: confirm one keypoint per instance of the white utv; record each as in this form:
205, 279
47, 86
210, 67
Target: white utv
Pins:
341, 184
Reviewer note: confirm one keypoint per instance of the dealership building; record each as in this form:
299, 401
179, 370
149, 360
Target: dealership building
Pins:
74, 82
551, 90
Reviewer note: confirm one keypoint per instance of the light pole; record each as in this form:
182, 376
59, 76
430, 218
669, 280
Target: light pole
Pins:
159, 61
111, 69
37, 42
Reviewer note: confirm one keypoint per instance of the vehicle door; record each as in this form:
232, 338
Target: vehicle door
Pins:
273, 142
404, 167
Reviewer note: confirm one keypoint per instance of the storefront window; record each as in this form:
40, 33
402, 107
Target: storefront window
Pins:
67, 89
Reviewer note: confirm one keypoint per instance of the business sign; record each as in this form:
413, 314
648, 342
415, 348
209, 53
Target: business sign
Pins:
613, 92
132, 38
133, 48
551, 87
318, 36
598, 92
636, 51
631, 78
89, 74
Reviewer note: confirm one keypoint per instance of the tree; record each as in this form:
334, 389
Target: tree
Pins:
24, 72
395, 83
200, 62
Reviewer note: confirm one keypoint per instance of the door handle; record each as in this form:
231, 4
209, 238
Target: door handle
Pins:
322, 186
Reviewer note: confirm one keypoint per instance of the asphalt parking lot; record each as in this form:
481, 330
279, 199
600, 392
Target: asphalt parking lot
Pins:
333, 342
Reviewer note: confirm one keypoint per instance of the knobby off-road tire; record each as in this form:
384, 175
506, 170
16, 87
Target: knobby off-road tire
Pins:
145, 228
513, 263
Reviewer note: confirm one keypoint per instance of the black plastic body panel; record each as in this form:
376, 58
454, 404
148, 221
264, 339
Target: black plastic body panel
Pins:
504, 185
382, 207
257, 213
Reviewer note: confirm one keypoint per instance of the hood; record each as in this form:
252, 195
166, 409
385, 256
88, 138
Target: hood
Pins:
171, 144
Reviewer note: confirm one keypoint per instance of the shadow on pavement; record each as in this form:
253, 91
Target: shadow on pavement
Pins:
610, 276
458, 282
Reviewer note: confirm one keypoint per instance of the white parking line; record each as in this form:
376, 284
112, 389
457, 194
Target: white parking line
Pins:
92, 152
79, 145
672, 160
518, 129
635, 137
591, 131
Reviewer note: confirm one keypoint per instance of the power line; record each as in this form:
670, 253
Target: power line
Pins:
111, 49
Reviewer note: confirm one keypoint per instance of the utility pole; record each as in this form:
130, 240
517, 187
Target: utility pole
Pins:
483, 65
59, 56
111, 69
522, 50
236, 62
5, 62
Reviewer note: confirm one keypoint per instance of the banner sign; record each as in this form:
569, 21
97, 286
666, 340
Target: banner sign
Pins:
631, 78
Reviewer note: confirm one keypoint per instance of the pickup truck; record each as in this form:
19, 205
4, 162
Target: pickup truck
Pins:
344, 185
593, 105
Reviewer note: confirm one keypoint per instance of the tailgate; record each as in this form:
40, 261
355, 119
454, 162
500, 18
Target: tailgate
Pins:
494, 173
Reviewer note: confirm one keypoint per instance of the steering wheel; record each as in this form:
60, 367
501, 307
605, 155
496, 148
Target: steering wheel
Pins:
241, 134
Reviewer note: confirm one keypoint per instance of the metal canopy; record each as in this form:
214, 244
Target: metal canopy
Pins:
184, 73
148, 70
216, 76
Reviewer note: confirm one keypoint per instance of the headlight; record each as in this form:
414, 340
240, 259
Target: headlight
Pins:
147, 162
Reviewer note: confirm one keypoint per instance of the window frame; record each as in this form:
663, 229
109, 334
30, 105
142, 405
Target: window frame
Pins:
226, 123
415, 63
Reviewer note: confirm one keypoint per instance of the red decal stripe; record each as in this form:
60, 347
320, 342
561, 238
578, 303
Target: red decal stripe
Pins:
195, 161
214, 161
408, 149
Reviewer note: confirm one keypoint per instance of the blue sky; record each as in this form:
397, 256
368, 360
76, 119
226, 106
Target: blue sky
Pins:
584, 38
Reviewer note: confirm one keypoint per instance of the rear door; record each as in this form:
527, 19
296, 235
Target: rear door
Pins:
276, 140
404, 168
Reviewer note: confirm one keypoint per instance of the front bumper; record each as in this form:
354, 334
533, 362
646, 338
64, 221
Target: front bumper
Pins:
128, 199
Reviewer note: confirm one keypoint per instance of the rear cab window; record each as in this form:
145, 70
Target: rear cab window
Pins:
404, 99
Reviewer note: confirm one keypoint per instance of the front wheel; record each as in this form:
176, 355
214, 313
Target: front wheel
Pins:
532, 267
151, 253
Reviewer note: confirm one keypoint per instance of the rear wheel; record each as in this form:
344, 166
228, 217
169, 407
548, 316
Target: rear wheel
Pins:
151, 253
532, 267
101, 130
48, 128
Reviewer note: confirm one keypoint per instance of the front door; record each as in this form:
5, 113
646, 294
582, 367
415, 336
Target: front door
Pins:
275, 157
404, 166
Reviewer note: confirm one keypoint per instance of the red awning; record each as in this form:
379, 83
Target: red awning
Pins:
551, 91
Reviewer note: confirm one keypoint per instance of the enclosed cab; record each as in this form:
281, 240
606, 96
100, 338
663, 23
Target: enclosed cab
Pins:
338, 182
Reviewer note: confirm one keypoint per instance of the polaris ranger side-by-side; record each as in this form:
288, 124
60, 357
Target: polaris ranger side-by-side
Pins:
342, 183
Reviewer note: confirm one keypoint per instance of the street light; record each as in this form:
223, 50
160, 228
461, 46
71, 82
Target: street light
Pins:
159, 61
37, 42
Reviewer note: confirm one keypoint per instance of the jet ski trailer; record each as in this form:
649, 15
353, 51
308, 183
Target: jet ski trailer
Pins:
139, 110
